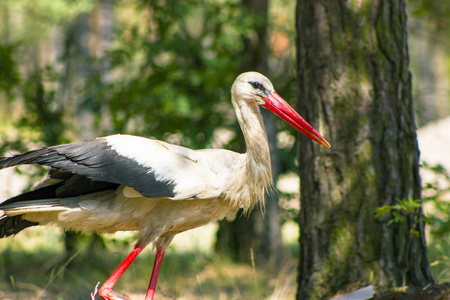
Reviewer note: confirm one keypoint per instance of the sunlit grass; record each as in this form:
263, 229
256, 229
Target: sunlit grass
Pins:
32, 266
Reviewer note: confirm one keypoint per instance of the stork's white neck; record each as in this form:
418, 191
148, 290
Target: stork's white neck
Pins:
256, 178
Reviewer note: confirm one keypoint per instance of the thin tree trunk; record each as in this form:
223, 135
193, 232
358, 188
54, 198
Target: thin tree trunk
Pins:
355, 86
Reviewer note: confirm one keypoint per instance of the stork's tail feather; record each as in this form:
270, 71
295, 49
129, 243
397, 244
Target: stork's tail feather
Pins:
13, 225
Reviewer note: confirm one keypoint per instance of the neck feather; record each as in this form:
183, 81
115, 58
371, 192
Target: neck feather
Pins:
256, 177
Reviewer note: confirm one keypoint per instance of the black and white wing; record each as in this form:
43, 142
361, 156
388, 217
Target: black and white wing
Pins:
153, 168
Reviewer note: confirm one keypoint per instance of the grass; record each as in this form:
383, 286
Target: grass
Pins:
32, 267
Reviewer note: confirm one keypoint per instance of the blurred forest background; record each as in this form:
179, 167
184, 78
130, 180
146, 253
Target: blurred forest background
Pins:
72, 70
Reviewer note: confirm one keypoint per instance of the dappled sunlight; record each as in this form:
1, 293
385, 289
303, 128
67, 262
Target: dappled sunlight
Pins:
34, 265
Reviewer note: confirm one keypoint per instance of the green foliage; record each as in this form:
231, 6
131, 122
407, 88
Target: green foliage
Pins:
166, 73
437, 198
43, 113
437, 207
175, 69
9, 75
434, 13
436, 216
439, 221
429, 45
399, 211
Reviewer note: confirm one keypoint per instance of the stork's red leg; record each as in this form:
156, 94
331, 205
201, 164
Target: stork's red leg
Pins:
152, 286
106, 291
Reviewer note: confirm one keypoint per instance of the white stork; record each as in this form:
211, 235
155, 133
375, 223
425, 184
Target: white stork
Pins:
124, 182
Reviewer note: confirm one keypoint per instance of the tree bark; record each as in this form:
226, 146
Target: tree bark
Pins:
355, 86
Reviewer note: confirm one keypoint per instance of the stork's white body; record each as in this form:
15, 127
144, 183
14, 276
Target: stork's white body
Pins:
204, 186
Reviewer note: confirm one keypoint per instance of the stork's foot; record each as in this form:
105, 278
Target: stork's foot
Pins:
107, 293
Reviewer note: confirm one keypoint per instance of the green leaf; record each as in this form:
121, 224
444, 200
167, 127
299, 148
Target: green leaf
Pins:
381, 211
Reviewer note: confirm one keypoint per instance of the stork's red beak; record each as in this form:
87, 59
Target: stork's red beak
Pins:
281, 108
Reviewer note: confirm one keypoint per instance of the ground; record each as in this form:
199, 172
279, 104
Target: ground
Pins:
33, 267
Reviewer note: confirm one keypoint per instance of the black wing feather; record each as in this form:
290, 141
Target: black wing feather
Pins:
96, 160
13, 225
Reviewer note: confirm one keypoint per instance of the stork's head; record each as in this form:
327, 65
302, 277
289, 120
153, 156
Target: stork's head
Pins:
252, 87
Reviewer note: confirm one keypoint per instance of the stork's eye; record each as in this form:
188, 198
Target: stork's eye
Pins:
256, 85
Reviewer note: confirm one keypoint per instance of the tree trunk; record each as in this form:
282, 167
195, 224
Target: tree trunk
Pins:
355, 87
257, 234
78, 56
